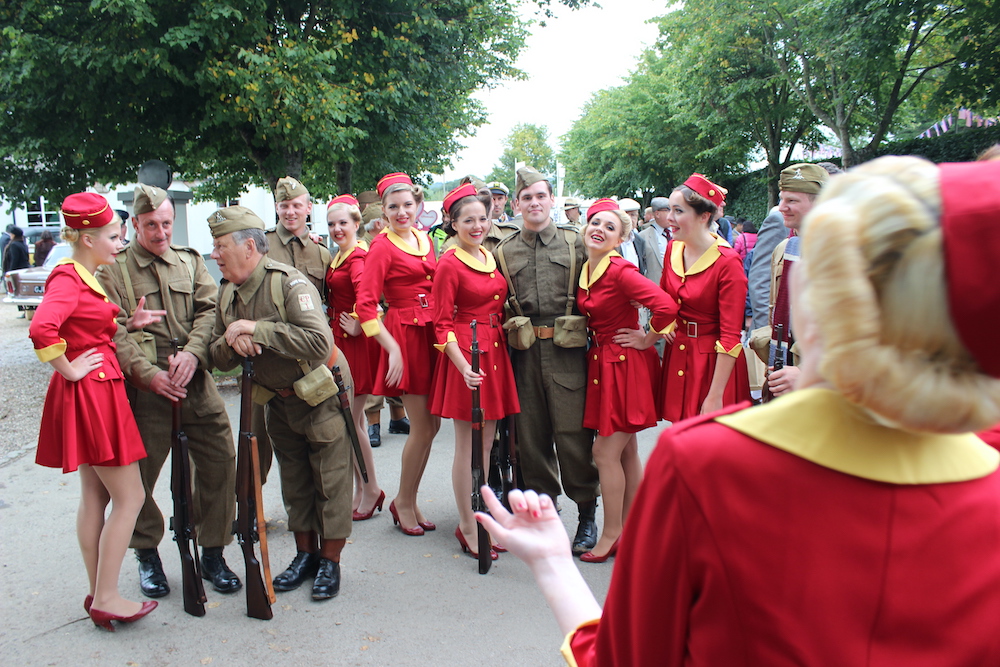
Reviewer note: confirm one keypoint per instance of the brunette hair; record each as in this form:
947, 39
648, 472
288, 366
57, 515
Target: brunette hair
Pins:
456, 209
696, 201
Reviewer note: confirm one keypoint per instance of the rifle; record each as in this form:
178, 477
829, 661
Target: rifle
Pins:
181, 523
352, 431
478, 476
776, 359
249, 526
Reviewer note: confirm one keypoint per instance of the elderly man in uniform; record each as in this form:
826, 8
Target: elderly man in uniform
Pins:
798, 186
551, 381
151, 273
271, 312
571, 207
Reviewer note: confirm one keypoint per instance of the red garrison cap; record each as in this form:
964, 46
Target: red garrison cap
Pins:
467, 190
706, 188
86, 210
602, 205
392, 179
970, 213
343, 199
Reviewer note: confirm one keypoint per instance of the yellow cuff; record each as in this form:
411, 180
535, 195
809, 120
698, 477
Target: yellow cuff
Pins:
450, 339
667, 329
567, 650
51, 352
371, 328
735, 352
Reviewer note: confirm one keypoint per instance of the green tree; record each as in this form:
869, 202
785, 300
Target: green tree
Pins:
231, 93
529, 144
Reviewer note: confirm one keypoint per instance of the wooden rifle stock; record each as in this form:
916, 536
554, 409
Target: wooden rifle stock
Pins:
180, 523
352, 431
249, 525
478, 476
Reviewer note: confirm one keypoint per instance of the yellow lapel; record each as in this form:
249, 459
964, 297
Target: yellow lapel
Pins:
587, 279
423, 243
85, 275
706, 260
474, 263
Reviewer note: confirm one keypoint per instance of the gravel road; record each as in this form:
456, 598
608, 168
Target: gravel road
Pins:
23, 381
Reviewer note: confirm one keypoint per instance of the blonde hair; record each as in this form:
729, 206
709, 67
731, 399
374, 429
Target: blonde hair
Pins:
624, 218
351, 209
72, 235
418, 192
875, 286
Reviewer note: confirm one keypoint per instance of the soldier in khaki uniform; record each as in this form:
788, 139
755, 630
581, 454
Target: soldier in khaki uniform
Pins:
271, 312
551, 381
174, 281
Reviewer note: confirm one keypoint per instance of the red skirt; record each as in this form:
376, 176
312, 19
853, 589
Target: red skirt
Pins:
88, 422
620, 382
451, 397
362, 355
416, 342
688, 367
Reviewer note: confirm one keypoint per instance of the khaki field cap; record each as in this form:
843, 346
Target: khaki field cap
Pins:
147, 198
288, 188
808, 178
526, 177
371, 212
571, 202
233, 219
367, 197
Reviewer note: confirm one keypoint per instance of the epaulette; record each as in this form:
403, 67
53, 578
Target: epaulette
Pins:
568, 227
180, 248
273, 265
507, 238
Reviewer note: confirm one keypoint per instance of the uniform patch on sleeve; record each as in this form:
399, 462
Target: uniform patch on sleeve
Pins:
306, 302
297, 281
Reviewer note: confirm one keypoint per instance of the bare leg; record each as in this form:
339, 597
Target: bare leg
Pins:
365, 495
124, 486
461, 473
423, 427
632, 465
94, 500
608, 457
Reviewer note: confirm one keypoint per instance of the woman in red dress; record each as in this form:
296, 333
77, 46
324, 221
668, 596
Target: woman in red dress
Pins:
854, 520
87, 423
703, 366
618, 402
343, 217
467, 287
400, 265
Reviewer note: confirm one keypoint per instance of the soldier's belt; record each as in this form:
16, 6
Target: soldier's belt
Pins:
543, 333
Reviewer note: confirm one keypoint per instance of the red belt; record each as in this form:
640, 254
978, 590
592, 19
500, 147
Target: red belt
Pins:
698, 329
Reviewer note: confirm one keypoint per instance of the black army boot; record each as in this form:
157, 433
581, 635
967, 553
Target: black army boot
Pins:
327, 582
586, 531
214, 569
152, 581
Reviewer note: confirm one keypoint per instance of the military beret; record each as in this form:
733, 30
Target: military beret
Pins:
87, 210
147, 198
804, 177
233, 219
659, 204
288, 188
526, 177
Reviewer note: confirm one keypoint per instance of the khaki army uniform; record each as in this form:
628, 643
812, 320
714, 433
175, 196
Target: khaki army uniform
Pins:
311, 443
498, 232
551, 381
312, 260
179, 283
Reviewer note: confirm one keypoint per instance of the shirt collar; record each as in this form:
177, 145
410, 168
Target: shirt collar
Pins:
474, 262
423, 242
706, 260
587, 279
85, 275
250, 285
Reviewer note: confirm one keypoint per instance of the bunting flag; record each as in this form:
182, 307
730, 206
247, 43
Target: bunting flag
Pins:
948, 123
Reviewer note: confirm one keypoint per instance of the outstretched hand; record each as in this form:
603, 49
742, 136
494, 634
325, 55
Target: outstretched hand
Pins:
142, 317
533, 532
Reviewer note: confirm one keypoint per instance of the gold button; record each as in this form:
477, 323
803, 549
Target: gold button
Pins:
680, 372
595, 380
496, 297
105, 299
415, 320
681, 347
493, 274
113, 320
101, 375
427, 277
678, 302
496, 344
345, 335
621, 357
423, 259
494, 366
595, 357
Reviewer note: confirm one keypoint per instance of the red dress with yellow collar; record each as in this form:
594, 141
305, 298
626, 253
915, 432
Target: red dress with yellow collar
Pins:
621, 381
465, 290
711, 294
89, 421
343, 279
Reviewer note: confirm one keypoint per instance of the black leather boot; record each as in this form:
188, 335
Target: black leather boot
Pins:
303, 566
327, 583
214, 569
152, 581
399, 426
586, 531
375, 434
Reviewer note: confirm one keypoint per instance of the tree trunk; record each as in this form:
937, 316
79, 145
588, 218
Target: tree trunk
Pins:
344, 176
293, 163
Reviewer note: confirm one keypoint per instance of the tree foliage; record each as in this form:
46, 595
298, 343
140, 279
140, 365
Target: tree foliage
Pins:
529, 144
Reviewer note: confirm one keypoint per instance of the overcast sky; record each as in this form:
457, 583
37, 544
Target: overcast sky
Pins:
574, 55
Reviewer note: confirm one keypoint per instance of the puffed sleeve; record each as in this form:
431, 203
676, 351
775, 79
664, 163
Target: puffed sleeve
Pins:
445, 289
732, 298
640, 288
62, 294
372, 281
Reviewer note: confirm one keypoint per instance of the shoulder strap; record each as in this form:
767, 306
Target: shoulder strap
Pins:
276, 295
122, 260
187, 261
512, 298
570, 290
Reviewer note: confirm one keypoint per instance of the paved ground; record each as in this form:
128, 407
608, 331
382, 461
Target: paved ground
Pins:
404, 601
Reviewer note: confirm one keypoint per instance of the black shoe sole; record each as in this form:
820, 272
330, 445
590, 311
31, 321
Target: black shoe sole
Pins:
154, 594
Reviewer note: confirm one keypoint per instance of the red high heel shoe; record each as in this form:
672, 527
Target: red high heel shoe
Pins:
427, 525
467, 549
589, 557
102, 619
358, 516
412, 532
87, 601
499, 548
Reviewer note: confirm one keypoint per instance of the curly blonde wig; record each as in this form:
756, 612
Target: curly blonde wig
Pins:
72, 235
875, 285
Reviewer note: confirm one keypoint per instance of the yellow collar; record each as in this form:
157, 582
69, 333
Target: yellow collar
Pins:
85, 275
423, 243
822, 426
342, 256
706, 260
587, 279
475, 263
